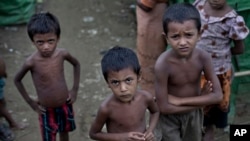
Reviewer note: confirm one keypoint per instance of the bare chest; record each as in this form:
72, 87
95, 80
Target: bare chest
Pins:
182, 74
127, 117
49, 69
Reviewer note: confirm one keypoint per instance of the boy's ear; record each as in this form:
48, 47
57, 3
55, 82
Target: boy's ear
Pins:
34, 43
139, 77
165, 37
108, 85
199, 34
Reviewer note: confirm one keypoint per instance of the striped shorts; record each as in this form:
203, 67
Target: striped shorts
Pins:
60, 119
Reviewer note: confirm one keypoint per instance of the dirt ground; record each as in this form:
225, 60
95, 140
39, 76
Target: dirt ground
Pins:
89, 27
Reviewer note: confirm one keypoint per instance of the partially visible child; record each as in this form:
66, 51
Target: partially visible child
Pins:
3, 110
123, 112
178, 72
46, 65
221, 26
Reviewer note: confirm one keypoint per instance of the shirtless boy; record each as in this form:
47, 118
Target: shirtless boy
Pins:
178, 73
123, 112
54, 103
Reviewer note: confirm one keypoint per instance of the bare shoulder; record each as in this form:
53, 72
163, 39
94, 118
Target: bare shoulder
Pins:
163, 64
202, 54
164, 56
62, 50
163, 59
31, 59
107, 104
66, 55
145, 95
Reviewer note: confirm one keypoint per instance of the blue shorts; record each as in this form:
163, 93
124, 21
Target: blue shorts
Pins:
60, 119
2, 84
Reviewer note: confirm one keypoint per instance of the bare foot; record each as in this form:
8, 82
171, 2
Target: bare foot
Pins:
19, 126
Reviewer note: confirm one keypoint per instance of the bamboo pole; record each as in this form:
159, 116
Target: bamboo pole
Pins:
242, 73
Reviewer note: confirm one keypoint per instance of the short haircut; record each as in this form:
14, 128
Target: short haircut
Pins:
180, 13
118, 58
42, 23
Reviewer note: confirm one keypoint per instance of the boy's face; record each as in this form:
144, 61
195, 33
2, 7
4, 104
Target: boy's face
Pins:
182, 37
123, 84
45, 43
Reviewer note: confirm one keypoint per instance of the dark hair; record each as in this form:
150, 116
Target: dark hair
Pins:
42, 23
118, 58
180, 13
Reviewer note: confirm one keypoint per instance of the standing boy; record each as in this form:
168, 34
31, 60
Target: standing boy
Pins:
54, 103
123, 112
178, 73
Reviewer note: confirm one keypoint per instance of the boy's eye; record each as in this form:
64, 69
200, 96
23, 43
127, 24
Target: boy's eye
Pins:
115, 82
128, 80
189, 35
51, 41
174, 36
39, 42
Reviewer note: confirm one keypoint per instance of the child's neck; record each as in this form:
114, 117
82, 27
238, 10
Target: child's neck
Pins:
217, 12
184, 60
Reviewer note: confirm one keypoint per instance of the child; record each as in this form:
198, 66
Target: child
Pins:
178, 71
54, 103
123, 112
221, 26
3, 110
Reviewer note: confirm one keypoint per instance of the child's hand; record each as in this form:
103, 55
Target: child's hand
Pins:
72, 97
149, 136
37, 107
207, 88
224, 105
133, 136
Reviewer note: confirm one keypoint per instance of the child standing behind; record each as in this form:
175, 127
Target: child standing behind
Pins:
123, 112
54, 103
221, 26
178, 72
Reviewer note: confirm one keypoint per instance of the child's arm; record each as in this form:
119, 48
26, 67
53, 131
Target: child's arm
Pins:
96, 133
153, 118
18, 82
206, 89
161, 88
238, 47
76, 71
214, 97
3, 72
238, 32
